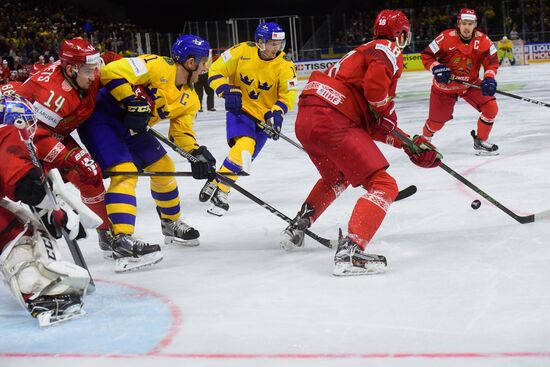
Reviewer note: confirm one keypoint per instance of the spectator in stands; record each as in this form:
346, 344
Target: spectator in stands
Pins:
5, 72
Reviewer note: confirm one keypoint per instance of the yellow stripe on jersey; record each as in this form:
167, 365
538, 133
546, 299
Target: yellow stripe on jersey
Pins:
157, 75
265, 84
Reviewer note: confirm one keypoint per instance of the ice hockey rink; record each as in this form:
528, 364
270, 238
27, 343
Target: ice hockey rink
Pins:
463, 287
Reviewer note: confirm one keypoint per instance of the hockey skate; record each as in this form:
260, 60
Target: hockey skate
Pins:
350, 260
219, 203
293, 236
106, 239
483, 147
207, 191
179, 233
131, 254
50, 310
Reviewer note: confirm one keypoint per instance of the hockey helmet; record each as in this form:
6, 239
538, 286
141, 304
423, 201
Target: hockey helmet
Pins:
187, 46
17, 111
270, 31
81, 54
466, 14
391, 24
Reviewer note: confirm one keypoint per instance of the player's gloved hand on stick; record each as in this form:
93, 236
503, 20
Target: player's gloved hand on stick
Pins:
423, 153
442, 73
488, 86
206, 165
64, 218
387, 120
87, 168
138, 113
233, 97
276, 124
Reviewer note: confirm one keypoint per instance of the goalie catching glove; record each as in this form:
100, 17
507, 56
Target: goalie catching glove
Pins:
422, 152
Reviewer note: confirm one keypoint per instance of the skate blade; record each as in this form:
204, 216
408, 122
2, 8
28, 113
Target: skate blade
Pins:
126, 264
288, 245
484, 153
346, 269
169, 240
217, 211
46, 319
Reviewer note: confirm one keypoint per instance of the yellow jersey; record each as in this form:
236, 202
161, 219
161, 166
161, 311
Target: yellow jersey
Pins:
157, 76
265, 84
505, 45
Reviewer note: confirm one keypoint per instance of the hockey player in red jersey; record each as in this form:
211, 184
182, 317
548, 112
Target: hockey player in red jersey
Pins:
50, 289
341, 112
63, 95
459, 54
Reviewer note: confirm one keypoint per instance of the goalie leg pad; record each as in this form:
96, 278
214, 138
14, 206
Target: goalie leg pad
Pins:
32, 269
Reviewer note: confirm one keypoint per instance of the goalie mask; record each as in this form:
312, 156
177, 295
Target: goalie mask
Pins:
391, 24
17, 111
269, 32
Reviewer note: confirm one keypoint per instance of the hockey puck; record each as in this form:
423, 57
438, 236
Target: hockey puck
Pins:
476, 204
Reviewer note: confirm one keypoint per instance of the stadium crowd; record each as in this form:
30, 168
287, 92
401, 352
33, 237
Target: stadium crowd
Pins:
31, 31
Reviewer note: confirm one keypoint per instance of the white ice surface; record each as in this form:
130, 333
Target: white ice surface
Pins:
463, 287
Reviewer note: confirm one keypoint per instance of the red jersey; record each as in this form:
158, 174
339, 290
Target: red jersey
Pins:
60, 109
464, 59
58, 105
15, 162
14, 165
364, 79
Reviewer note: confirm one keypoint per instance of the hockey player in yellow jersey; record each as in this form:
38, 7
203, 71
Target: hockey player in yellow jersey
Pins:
504, 51
259, 85
139, 92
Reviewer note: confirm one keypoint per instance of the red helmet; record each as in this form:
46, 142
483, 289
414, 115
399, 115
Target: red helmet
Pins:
78, 51
390, 24
466, 14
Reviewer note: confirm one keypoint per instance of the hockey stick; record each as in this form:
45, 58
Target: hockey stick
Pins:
406, 192
226, 181
72, 244
269, 127
162, 174
521, 219
506, 94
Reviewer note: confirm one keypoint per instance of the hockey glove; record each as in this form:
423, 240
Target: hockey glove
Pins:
206, 165
423, 153
138, 113
233, 97
64, 219
488, 87
442, 73
30, 188
87, 168
274, 125
387, 120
